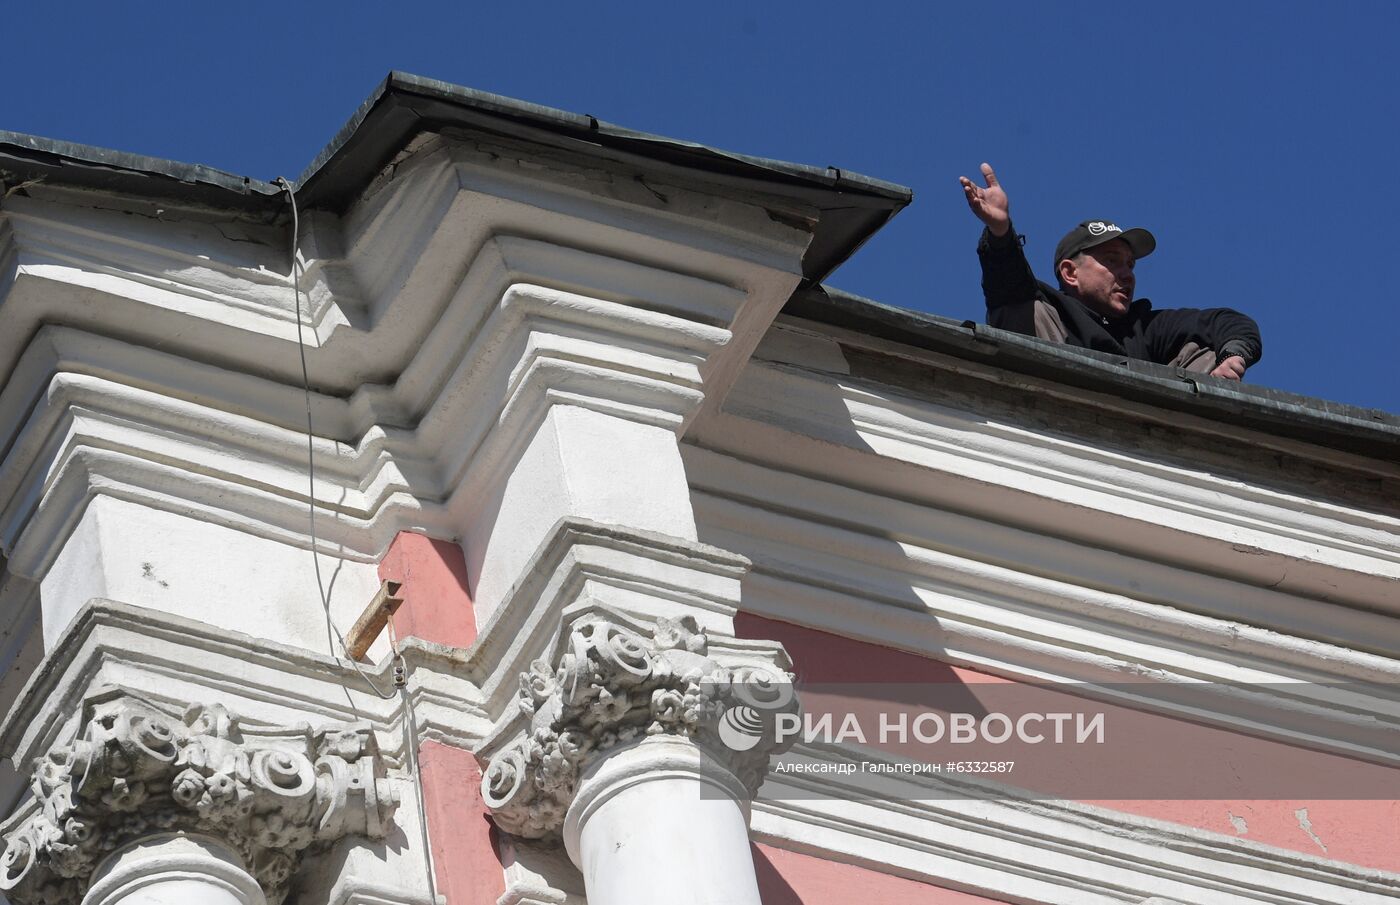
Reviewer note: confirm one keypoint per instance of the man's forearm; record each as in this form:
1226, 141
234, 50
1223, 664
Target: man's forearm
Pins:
1237, 334
1006, 275
1223, 330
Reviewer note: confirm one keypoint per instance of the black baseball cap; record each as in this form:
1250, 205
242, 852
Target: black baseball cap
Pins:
1096, 232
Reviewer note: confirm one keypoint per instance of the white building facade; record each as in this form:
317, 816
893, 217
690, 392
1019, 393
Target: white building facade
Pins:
580, 408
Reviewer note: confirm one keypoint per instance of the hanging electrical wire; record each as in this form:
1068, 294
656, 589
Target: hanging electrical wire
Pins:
400, 669
310, 439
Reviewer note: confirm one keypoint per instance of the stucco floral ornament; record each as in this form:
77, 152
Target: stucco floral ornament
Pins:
136, 771
612, 685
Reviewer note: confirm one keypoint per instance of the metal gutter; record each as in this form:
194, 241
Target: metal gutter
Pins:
1364, 431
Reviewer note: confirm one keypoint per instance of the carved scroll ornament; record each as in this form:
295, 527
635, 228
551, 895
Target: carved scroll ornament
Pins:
612, 686
135, 772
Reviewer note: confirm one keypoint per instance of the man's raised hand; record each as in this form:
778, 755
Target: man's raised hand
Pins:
989, 204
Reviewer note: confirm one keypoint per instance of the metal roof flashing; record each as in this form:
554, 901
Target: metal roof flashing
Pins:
852, 207
1368, 432
31, 158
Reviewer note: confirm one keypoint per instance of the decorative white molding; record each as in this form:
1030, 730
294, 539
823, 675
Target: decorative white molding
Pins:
1051, 852
165, 655
357, 892
169, 659
409, 243
540, 874
612, 684
896, 541
1149, 498
185, 260
643, 574
545, 347
998, 620
1094, 404
133, 771
522, 894
617, 302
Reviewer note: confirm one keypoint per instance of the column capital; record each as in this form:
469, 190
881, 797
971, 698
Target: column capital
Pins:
613, 682
134, 770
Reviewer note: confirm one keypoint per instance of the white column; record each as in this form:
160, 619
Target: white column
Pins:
661, 821
641, 747
161, 870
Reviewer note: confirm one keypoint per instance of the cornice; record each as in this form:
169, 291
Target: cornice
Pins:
495, 292
971, 593
841, 208
168, 659
536, 348
844, 537
203, 263
1057, 853
1316, 528
461, 307
1275, 418
982, 453
410, 244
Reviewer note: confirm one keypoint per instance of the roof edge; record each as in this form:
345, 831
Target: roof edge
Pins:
405, 84
852, 206
1366, 431
33, 158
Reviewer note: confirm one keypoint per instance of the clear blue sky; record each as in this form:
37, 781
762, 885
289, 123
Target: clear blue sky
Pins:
1258, 141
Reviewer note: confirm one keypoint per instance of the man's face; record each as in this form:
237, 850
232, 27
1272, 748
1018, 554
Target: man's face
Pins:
1102, 277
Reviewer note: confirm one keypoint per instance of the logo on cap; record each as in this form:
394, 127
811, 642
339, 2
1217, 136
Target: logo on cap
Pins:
1099, 227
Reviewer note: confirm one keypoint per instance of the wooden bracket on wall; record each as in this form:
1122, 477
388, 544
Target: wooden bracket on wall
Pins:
373, 619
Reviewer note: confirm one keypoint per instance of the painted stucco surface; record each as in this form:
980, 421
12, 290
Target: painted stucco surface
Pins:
790, 878
1359, 832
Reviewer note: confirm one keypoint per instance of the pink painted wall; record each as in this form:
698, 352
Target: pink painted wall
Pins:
436, 603
788, 878
466, 859
1355, 831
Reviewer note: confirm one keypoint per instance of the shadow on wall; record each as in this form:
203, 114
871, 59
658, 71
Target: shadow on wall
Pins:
828, 883
772, 888
825, 554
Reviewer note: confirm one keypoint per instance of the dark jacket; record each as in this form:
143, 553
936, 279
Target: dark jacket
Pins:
1144, 332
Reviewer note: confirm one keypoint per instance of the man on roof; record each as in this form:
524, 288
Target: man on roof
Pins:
1094, 306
